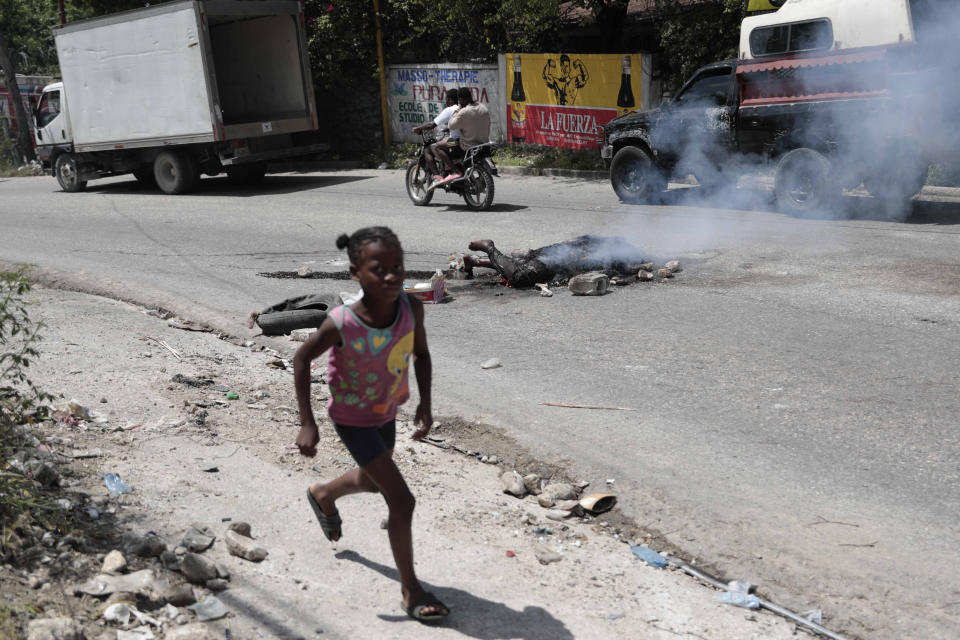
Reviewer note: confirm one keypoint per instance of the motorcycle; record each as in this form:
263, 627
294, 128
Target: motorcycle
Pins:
475, 185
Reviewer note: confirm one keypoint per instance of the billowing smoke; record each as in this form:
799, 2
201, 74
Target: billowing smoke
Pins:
874, 142
593, 253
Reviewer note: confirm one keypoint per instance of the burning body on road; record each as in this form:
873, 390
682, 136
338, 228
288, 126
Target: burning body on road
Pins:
557, 263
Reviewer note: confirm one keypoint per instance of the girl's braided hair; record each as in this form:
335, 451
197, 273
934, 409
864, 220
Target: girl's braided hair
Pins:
354, 243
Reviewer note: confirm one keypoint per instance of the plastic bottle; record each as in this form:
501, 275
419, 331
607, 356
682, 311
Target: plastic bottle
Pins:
438, 283
115, 485
745, 600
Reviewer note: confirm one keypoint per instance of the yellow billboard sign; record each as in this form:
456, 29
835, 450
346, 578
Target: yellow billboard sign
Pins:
562, 99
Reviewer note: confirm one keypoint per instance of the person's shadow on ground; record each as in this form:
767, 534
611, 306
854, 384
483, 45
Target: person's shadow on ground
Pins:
474, 616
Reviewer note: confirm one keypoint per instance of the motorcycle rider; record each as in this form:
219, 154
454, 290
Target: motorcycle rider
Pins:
472, 121
451, 105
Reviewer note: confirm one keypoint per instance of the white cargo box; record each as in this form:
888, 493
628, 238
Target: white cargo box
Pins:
187, 72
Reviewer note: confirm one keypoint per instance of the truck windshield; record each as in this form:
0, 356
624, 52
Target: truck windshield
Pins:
812, 35
49, 108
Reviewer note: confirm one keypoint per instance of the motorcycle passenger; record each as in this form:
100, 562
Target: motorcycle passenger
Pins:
451, 105
472, 121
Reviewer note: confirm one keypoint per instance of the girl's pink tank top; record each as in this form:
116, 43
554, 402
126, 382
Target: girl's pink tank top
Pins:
367, 372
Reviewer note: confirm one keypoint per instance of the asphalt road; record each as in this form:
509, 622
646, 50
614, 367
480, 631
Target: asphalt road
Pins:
795, 388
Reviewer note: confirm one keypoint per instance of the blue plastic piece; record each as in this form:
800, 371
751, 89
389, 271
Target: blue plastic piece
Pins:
115, 485
648, 555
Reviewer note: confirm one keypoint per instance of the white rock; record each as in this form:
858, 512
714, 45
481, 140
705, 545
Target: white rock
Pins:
54, 629
492, 363
114, 563
193, 631
244, 547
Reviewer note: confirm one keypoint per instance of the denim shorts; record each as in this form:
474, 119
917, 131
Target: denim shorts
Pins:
366, 444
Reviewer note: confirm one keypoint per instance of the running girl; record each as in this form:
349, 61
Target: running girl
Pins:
372, 341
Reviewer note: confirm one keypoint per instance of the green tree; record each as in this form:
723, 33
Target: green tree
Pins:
694, 34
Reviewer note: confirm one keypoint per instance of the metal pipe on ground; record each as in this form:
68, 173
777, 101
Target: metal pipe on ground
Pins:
764, 604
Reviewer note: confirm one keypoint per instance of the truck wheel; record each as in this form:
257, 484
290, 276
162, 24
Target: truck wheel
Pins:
897, 184
67, 174
803, 183
144, 175
635, 177
175, 172
283, 322
247, 174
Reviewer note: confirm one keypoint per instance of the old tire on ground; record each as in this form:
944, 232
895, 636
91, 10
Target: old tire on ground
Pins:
635, 177
68, 174
144, 175
417, 180
478, 189
246, 174
283, 322
803, 183
175, 172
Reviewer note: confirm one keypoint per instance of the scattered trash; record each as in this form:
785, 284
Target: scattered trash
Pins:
492, 363
814, 615
597, 503
511, 554
589, 284
737, 599
93, 513
569, 405
233, 395
210, 608
165, 346
115, 485
610, 480
648, 555
103, 585
80, 455
544, 291
140, 633
191, 382
614, 616
121, 612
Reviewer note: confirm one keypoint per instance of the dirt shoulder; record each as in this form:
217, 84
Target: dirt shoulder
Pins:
164, 420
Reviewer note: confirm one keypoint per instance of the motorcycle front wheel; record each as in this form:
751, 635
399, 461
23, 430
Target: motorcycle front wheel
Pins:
478, 189
417, 182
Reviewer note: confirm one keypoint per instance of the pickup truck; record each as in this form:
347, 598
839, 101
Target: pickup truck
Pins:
828, 94
176, 90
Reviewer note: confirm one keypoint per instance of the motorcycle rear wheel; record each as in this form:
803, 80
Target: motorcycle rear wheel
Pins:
417, 181
478, 189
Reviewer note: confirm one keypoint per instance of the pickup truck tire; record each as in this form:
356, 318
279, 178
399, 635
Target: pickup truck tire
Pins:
176, 172
897, 184
803, 183
635, 177
247, 174
68, 175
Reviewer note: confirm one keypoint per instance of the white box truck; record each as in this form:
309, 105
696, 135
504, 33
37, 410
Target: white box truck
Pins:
177, 90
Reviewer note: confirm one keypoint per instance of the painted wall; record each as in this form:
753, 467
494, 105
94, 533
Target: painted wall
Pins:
562, 100
415, 95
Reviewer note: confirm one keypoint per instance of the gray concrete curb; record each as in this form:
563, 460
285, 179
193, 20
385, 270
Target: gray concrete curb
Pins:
582, 174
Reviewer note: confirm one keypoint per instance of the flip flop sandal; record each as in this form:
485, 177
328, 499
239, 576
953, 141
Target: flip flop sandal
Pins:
426, 599
331, 525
